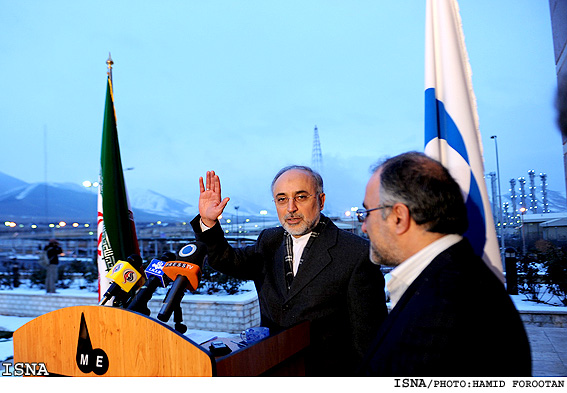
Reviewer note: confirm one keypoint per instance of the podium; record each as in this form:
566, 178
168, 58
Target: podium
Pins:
113, 342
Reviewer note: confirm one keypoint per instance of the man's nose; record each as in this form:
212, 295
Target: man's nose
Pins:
291, 205
363, 227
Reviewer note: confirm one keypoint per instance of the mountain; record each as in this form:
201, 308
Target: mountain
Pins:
34, 203
151, 202
555, 200
43, 202
8, 183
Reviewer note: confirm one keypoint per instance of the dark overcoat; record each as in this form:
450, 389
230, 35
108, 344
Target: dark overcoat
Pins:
337, 289
455, 319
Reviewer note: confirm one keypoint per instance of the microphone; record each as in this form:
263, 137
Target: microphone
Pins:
124, 275
155, 278
186, 273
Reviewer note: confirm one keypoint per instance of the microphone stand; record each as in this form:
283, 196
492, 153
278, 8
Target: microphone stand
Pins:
178, 318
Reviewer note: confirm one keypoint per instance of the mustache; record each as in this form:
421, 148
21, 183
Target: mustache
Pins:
293, 215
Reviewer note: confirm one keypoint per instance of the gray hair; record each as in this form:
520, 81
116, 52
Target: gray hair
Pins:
317, 179
426, 187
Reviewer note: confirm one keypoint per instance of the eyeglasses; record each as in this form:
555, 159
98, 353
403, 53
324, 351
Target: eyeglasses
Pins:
298, 199
361, 214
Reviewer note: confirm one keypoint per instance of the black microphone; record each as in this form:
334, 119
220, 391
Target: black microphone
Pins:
127, 277
186, 273
155, 278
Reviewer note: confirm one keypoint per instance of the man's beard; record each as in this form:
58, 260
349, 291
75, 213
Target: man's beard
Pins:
301, 228
384, 257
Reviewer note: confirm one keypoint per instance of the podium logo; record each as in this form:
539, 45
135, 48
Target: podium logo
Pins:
89, 359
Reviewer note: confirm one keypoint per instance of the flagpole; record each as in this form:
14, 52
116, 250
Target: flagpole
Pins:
109, 64
116, 229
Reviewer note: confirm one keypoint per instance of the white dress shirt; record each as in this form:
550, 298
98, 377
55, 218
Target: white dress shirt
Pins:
299, 244
406, 272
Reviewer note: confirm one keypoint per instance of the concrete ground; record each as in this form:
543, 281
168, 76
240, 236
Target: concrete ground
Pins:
549, 351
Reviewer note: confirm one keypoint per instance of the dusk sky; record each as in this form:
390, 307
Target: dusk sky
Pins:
237, 87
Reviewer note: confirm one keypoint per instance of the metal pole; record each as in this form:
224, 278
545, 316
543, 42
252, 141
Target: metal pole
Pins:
523, 210
500, 227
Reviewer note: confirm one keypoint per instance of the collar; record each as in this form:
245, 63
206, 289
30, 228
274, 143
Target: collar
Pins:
405, 273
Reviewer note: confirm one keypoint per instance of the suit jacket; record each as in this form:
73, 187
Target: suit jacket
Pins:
337, 289
455, 319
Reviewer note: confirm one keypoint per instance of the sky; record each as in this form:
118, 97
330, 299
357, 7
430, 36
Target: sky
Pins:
238, 87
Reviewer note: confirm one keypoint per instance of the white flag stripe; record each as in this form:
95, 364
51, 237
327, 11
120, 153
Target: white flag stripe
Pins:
448, 73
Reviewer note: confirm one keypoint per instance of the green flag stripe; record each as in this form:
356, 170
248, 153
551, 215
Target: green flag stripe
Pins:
118, 220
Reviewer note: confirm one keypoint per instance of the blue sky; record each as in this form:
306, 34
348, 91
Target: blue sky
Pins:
239, 86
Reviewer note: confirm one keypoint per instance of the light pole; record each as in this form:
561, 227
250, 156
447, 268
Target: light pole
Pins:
263, 214
522, 212
353, 216
90, 184
237, 229
500, 226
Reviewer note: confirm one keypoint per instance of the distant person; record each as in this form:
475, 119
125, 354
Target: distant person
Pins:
451, 315
52, 250
305, 270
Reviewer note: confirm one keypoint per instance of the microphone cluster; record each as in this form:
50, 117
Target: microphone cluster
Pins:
133, 287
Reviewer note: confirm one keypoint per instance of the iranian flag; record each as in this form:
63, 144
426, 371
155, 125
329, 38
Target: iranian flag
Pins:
115, 222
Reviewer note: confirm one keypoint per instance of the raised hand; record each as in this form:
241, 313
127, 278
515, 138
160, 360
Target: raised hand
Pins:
211, 205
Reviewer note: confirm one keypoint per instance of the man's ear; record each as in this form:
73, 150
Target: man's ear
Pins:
402, 217
321, 201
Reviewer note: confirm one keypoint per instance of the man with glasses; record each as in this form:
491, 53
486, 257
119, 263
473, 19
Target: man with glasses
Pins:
305, 270
451, 315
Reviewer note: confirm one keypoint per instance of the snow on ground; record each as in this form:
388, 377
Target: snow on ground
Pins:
10, 323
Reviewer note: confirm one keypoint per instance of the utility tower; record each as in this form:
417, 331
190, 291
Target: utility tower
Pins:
545, 202
513, 198
506, 219
522, 182
533, 198
316, 157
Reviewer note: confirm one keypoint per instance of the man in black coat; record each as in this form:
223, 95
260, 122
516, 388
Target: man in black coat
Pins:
306, 270
53, 250
451, 315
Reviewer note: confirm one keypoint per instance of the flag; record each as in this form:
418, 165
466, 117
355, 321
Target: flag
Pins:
452, 134
117, 238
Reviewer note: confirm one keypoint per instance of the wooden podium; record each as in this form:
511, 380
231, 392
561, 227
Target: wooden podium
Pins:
113, 342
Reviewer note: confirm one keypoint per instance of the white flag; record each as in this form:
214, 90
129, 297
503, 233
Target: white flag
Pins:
452, 134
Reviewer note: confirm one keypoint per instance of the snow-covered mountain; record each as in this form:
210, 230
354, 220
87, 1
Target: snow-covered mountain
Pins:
155, 203
8, 183
41, 202
556, 201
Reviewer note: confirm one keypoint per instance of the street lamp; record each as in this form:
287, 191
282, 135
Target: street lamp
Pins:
500, 226
522, 212
91, 184
353, 216
237, 229
263, 213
